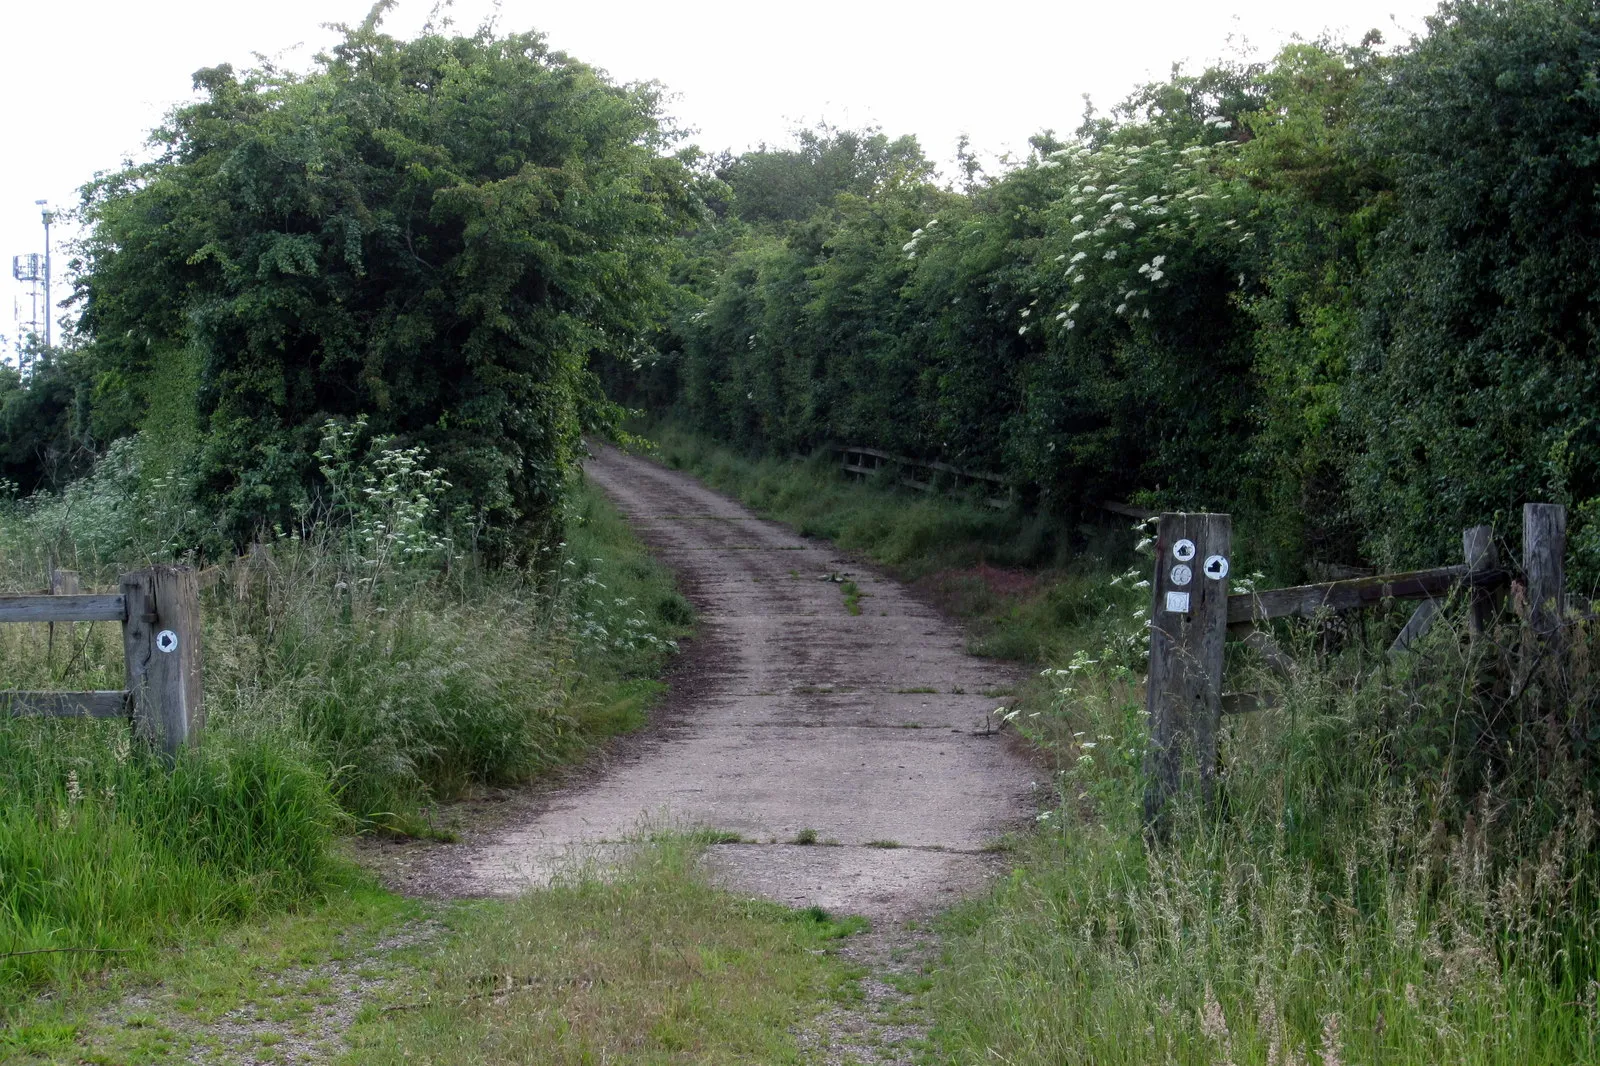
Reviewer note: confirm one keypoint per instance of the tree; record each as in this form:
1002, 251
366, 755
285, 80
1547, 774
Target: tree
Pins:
1474, 386
440, 234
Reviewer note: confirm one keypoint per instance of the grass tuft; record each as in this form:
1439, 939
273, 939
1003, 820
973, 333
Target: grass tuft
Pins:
647, 965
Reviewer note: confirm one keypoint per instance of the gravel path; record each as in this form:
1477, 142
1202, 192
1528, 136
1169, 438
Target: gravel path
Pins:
791, 715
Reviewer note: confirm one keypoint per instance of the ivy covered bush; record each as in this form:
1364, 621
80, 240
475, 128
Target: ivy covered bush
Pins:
437, 233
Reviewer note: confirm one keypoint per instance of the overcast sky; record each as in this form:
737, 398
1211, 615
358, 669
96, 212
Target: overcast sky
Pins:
85, 79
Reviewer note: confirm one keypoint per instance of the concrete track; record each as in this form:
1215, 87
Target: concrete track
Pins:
788, 715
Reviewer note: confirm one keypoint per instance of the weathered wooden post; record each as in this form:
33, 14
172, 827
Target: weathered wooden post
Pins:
161, 641
1544, 547
1477, 545
1188, 624
62, 583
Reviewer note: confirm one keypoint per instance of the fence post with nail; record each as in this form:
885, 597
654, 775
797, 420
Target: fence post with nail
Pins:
159, 610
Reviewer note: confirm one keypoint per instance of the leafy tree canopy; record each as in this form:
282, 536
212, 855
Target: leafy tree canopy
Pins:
438, 233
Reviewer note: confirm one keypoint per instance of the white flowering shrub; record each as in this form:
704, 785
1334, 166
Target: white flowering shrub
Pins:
120, 514
383, 501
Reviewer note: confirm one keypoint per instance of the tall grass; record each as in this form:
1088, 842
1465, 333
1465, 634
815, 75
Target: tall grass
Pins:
356, 672
1400, 869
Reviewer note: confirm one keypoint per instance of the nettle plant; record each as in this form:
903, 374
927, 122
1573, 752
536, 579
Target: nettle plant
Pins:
384, 500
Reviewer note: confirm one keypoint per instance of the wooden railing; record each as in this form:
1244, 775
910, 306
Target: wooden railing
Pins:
1192, 614
862, 461
159, 610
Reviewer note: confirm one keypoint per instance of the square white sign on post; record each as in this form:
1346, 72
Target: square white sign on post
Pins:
1178, 603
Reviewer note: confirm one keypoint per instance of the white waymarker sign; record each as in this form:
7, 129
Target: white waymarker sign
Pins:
1216, 567
1182, 575
1178, 602
1183, 551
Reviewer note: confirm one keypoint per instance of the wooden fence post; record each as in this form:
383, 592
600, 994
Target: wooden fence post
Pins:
161, 641
1188, 624
1477, 545
1544, 545
62, 583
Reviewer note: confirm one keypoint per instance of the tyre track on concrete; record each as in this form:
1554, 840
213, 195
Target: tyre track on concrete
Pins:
867, 729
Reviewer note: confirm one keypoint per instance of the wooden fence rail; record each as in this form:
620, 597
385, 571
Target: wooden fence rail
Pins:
1191, 614
159, 610
63, 609
1307, 601
862, 461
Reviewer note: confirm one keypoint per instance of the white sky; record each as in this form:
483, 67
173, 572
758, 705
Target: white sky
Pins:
86, 78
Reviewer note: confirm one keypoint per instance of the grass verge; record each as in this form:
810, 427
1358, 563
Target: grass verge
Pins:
263, 990
1357, 896
646, 965
343, 694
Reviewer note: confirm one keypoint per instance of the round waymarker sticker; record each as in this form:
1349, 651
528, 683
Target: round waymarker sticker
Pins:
167, 641
1182, 575
1183, 551
1216, 567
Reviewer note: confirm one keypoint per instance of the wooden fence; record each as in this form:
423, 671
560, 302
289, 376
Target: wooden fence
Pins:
159, 610
926, 475
1192, 614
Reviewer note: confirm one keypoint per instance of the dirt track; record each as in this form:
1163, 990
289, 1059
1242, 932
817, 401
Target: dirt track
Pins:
790, 714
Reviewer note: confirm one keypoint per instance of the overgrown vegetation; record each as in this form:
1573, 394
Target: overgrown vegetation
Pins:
438, 234
357, 671
338, 340
1342, 293
333, 350
1401, 869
